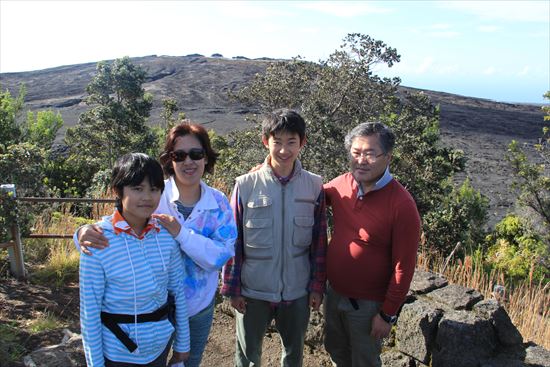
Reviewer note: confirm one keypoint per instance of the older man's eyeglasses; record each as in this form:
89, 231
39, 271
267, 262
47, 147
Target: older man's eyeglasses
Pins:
369, 156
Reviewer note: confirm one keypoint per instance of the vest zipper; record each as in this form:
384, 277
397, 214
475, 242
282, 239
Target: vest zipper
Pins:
283, 244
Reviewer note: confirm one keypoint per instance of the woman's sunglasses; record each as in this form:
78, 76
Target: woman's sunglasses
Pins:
195, 154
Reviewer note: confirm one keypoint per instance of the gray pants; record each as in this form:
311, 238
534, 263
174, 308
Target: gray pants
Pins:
347, 331
291, 322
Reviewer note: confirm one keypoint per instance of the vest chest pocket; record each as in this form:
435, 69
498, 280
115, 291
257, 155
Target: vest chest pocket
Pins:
303, 230
258, 238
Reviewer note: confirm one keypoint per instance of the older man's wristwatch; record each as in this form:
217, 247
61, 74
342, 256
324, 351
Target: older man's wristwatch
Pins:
389, 319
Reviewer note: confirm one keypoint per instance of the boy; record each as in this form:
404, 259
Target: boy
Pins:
279, 264
124, 313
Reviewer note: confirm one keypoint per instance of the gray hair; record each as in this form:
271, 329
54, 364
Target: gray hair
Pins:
385, 135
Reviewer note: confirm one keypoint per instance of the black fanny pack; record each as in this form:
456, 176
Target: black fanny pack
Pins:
111, 321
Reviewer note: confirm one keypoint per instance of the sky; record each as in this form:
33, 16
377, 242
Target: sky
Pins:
498, 50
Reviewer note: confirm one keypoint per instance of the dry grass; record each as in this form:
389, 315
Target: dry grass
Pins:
527, 304
57, 259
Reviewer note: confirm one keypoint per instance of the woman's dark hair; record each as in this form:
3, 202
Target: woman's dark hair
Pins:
187, 127
131, 169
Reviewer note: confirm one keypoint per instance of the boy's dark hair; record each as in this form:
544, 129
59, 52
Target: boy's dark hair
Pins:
130, 170
286, 120
187, 127
385, 135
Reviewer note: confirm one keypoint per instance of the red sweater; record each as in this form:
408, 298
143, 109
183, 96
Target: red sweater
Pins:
372, 252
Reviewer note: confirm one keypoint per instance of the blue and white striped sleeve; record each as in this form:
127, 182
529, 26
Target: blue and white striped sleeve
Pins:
176, 278
92, 286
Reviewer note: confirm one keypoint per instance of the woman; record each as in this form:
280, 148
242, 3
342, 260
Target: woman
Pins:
208, 230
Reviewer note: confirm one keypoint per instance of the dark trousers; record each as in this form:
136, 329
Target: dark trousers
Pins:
160, 361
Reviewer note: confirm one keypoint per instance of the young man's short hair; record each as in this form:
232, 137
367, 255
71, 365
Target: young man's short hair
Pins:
285, 120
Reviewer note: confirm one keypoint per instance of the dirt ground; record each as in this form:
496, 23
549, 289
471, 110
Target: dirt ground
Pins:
22, 302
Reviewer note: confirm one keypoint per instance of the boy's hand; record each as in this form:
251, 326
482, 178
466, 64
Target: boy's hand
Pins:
91, 235
315, 300
169, 222
178, 357
239, 304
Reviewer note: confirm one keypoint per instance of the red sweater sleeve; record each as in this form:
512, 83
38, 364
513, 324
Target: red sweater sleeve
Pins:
405, 239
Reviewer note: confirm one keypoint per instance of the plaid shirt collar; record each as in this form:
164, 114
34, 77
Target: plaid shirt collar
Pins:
120, 225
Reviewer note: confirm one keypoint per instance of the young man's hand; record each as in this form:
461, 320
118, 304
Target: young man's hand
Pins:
91, 235
380, 328
239, 304
169, 222
315, 300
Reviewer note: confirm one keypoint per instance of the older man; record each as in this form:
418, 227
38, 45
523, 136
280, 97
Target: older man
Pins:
372, 253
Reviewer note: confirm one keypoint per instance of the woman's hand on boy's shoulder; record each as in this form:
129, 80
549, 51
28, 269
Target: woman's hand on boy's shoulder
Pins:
169, 222
91, 235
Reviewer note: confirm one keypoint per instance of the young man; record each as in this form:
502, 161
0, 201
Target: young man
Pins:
279, 266
372, 252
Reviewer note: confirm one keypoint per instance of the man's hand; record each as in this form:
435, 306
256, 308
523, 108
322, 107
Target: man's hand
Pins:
169, 222
380, 328
315, 300
178, 357
239, 304
91, 235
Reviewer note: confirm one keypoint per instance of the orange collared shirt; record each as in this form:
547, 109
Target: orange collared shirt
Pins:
120, 225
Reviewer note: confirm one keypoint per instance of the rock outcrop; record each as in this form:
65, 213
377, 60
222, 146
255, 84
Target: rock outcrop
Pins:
445, 325
440, 325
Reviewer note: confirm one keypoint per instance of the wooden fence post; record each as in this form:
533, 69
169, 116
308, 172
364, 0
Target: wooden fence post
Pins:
15, 246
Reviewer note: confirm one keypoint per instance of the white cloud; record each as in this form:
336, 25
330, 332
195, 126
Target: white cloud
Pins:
343, 9
425, 65
526, 11
438, 30
440, 26
488, 28
444, 34
489, 71
447, 69
524, 71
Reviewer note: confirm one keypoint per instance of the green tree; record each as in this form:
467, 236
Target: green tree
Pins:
21, 163
116, 123
42, 127
532, 179
10, 107
336, 94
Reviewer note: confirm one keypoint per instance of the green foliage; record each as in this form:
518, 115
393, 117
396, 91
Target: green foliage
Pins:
8, 214
518, 251
116, 124
532, 180
419, 160
334, 96
42, 127
10, 107
21, 164
169, 108
460, 217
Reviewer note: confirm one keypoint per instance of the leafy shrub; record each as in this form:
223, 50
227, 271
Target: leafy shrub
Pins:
516, 250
